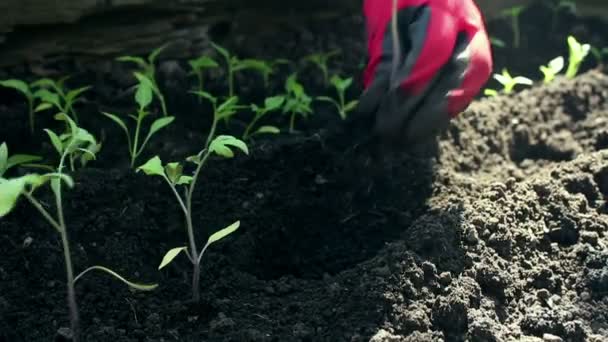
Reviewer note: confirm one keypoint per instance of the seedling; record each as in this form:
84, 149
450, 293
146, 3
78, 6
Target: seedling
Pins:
341, 85
148, 70
578, 53
499, 43
172, 173
510, 82
271, 104
297, 102
321, 61
24, 89
199, 66
513, 14
234, 64
12, 189
551, 70
223, 111
143, 97
54, 95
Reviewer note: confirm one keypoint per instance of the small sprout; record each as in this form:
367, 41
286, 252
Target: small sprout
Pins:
26, 91
172, 173
321, 60
67, 145
578, 53
297, 102
271, 104
551, 70
341, 85
199, 66
148, 71
510, 82
490, 92
513, 14
143, 97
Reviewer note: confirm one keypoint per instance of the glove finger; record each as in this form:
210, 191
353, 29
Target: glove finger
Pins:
370, 100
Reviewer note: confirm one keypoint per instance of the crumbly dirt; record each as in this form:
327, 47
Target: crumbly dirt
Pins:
500, 237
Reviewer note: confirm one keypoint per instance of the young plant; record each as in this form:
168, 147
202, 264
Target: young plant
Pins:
578, 53
199, 66
321, 61
143, 97
499, 43
172, 173
221, 111
270, 104
551, 70
12, 189
513, 14
508, 82
341, 85
54, 95
26, 90
297, 102
148, 70
234, 64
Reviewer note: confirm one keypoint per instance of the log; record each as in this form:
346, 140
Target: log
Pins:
32, 31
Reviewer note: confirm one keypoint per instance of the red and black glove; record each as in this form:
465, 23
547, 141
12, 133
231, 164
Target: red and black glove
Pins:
438, 64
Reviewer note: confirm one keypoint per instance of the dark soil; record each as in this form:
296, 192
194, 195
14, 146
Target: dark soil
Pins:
502, 236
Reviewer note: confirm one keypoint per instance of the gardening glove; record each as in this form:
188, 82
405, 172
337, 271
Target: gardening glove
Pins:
415, 84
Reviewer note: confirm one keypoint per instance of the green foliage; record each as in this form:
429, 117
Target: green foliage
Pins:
578, 53
147, 73
297, 102
26, 90
7, 162
551, 70
143, 97
69, 146
321, 60
498, 42
510, 82
221, 111
513, 14
198, 66
172, 173
341, 85
53, 94
271, 104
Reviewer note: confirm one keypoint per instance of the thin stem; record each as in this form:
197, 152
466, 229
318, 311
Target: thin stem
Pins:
31, 114
292, 121
43, 211
199, 76
163, 104
230, 80
257, 117
134, 153
177, 196
211, 131
515, 23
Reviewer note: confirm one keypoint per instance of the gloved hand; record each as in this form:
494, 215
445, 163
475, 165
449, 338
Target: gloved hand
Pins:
417, 83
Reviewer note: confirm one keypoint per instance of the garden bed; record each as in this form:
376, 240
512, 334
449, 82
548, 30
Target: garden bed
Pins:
501, 237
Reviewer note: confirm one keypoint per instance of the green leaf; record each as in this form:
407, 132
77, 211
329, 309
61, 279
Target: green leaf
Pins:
328, 99
206, 95
153, 167
268, 130
55, 141
56, 176
10, 190
46, 96
255, 64
274, 103
159, 124
490, 92
73, 95
184, 180
18, 85
141, 78
339, 83
203, 62
137, 60
43, 106
351, 105
144, 93
171, 254
156, 52
228, 104
19, 159
174, 171
222, 143
196, 159
141, 287
221, 50
3, 158
224, 232
118, 121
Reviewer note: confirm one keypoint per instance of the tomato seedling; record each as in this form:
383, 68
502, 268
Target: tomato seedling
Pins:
551, 70
578, 53
271, 104
321, 61
54, 95
297, 102
513, 15
25, 89
509, 82
221, 111
148, 70
341, 85
143, 97
199, 66
172, 173
12, 189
